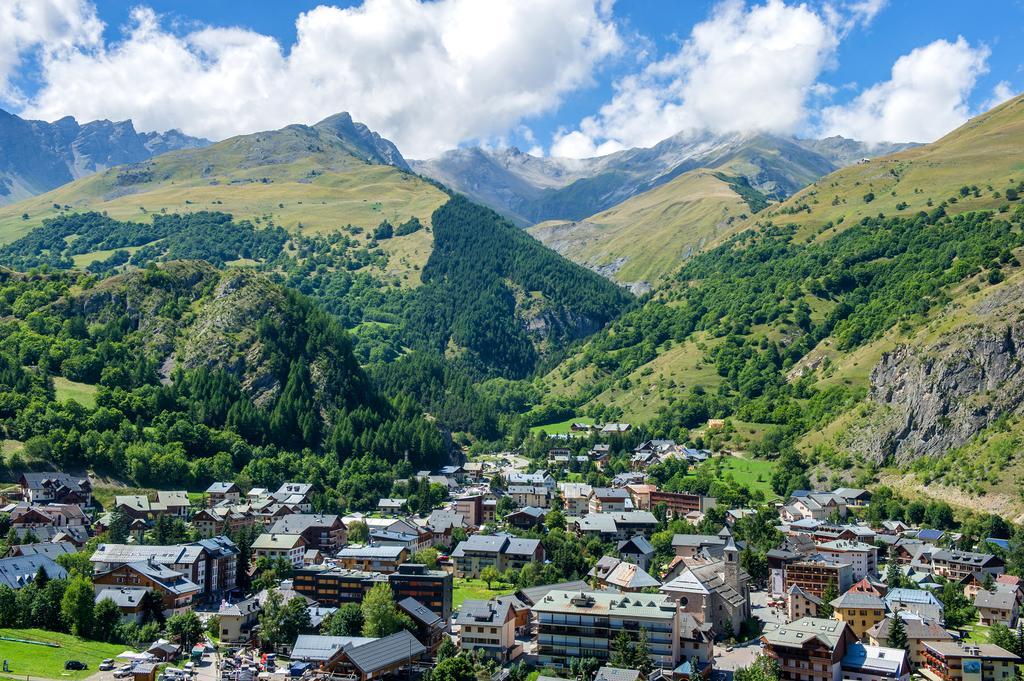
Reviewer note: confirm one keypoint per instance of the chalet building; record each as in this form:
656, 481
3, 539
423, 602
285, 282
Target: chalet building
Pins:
189, 560
60, 488
813, 505
537, 496
361, 659
955, 565
613, 527
800, 604
223, 493
538, 479
323, 532
809, 649
575, 497
237, 621
919, 631
919, 602
295, 494
636, 550
480, 550
527, 517
609, 500
19, 571
128, 599
997, 607
177, 592
611, 572
210, 522
430, 627
140, 507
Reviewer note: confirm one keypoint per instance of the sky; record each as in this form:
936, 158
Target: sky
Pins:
571, 78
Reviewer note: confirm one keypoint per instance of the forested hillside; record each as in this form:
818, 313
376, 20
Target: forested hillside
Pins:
199, 374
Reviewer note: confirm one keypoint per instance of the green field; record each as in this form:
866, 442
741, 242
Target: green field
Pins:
754, 473
83, 393
27, 659
476, 589
561, 427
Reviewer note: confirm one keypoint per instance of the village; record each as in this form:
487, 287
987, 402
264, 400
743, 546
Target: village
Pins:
469, 588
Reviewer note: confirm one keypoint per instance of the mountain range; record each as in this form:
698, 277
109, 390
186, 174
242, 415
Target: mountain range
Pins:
529, 189
38, 156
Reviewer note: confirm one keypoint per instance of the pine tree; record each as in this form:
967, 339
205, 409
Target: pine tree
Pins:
622, 650
827, 596
897, 633
642, 654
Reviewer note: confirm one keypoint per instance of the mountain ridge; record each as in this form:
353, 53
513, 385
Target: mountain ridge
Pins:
529, 189
40, 156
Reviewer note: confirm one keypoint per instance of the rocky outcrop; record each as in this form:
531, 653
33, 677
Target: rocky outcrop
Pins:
925, 401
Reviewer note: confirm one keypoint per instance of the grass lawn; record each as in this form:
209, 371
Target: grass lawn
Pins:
476, 589
83, 393
26, 659
977, 633
562, 426
754, 473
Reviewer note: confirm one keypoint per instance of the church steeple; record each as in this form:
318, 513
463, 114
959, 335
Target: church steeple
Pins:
732, 559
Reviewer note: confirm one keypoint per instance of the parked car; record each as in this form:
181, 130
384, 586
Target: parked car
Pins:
122, 672
107, 664
75, 666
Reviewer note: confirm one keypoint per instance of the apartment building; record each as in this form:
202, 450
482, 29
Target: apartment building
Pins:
860, 611
574, 624
862, 558
809, 649
334, 586
503, 552
813, 574
955, 565
323, 532
176, 591
575, 497
289, 547
488, 626
955, 661
236, 621
537, 496
609, 500
615, 526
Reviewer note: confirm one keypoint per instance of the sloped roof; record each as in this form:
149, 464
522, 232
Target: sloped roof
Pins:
383, 652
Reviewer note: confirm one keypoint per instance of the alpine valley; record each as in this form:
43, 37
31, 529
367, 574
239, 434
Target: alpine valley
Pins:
305, 302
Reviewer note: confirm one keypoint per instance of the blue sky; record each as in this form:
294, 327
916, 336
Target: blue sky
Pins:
573, 77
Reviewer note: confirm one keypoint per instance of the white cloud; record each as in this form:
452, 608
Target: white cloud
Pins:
428, 75
863, 12
43, 27
1000, 93
925, 97
744, 68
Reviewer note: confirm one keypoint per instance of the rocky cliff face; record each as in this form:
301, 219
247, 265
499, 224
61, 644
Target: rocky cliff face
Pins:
927, 400
36, 156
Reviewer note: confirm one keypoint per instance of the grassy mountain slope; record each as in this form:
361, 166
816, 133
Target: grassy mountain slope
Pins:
310, 179
869, 345
650, 235
985, 156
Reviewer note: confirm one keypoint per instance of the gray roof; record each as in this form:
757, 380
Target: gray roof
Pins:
297, 523
222, 488
797, 633
639, 543
1002, 600
874, 659
132, 553
18, 571
383, 652
856, 599
697, 540
388, 552
419, 612
124, 597
477, 612
314, 648
488, 543
616, 674
52, 550
534, 594
919, 596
